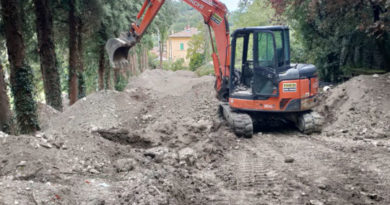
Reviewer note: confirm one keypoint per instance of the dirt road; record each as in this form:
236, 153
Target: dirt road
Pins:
161, 142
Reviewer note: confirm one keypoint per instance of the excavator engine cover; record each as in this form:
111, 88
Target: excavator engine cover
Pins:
118, 49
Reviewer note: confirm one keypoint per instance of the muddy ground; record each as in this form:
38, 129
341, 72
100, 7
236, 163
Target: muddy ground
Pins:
161, 142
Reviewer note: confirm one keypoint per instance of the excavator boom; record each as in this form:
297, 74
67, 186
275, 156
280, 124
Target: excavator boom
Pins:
214, 15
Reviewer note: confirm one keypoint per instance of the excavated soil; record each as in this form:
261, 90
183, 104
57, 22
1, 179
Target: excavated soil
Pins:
161, 141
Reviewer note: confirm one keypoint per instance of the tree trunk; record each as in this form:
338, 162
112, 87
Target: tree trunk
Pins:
133, 64
73, 54
161, 52
101, 67
21, 73
50, 76
136, 63
143, 59
102, 57
107, 76
80, 63
146, 58
116, 78
5, 112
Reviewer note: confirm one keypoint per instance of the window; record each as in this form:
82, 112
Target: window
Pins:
182, 46
265, 49
239, 54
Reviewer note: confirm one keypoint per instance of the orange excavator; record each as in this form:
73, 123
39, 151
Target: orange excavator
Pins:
255, 81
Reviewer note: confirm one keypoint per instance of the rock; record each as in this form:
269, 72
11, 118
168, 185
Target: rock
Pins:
374, 197
316, 202
3, 135
58, 145
124, 165
358, 138
46, 145
289, 160
93, 171
156, 153
380, 134
166, 128
375, 75
380, 144
21, 164
146, 117
201, 126
344, 131
123, 136
323, 186
187, 155
326, 88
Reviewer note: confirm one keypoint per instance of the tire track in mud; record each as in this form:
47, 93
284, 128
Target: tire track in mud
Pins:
323, 172
258, 176
335, 176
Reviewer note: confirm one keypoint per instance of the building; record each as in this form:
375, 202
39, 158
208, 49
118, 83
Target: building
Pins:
177, 44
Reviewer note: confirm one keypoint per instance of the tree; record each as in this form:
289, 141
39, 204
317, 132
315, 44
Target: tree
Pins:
46, 50
5, 112
102, 56
21, 73
255, 13
198, 48
74, 55
341, 36
163, 21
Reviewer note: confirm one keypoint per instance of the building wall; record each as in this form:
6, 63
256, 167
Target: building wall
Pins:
177, 48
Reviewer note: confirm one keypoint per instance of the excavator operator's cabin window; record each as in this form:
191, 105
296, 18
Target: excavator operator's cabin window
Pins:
266, 50
239, 54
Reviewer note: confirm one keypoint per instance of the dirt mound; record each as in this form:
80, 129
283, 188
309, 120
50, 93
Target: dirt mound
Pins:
137, 146
163, 83
161, 142
45, 115
358, 108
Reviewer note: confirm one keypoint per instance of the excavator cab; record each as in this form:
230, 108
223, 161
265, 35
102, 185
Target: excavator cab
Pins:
258, 56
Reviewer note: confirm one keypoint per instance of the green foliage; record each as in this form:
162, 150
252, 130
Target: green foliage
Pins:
186, 16
207, 69
199, 48
254, 13
154, 61
339, 34
196, 60
174, 66
121, 82
25, 106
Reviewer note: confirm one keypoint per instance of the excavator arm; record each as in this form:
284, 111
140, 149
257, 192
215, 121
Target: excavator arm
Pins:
214, 15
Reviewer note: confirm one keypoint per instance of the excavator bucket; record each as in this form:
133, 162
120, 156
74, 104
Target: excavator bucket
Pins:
118, 50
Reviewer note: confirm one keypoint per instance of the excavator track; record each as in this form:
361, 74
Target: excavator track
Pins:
310, 122
240, 122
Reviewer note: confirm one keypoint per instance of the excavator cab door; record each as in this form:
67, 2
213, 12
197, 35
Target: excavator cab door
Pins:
265, 77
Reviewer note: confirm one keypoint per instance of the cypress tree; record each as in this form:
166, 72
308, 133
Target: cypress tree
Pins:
21, 72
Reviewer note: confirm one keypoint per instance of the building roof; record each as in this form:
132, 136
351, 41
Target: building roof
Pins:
188, 32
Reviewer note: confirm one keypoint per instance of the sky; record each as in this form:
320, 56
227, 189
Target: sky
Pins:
231, 4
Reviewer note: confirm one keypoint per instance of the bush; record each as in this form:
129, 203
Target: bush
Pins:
177, 65
203, 70
196, 61
154, 60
